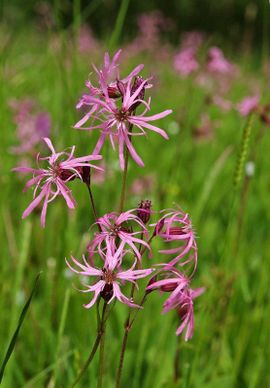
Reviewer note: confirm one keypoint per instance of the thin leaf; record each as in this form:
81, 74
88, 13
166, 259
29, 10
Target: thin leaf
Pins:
16, 333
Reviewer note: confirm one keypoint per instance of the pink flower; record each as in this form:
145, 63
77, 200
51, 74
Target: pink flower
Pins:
192, 39
172, 281
183, 303
180, 299
107, 78
185, 62
176, 227
114, 227
32, 125
217, 63
116, 122
109, 278
51, 182
248, 104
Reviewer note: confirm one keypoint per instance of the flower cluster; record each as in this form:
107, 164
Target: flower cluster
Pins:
111, 109
120, 253
121, 241
175, 228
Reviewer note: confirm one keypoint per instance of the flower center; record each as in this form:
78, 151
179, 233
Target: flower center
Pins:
121, 115
108, 276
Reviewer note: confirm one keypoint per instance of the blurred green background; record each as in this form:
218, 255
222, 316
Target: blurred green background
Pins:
43, 57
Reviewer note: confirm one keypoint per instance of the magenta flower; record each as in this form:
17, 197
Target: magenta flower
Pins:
180, 299
183, 303
185, 61
172, 281
32, 125
176, 227
217, 63
107, 85
109, 278
248, 105
51, 182
117, 122
114, 227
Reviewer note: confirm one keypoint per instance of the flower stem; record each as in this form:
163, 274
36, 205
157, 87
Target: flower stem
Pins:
122, 354
128, 326
101, 356
124, 182
124, 179
93, 203
100, 333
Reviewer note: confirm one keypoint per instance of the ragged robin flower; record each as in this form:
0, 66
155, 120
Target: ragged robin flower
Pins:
51, 181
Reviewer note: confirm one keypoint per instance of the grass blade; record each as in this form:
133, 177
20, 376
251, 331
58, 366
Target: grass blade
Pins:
16, 333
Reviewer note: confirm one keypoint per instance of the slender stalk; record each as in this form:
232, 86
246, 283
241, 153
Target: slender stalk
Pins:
124, 179
100, 333
124, 182
92, 200
245, 192
128, 326
101, 357
122, 354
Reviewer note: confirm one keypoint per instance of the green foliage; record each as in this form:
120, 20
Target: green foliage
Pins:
231, 344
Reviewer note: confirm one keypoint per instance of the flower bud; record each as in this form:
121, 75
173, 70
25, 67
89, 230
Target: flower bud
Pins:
144, 211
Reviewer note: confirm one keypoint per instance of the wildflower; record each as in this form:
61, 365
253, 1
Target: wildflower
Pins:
180, 299
176, 226
185, 62
109, 278
114, 227
248, 105
107, 85
144, 211
51, 182
117, 122
172, 281
183, 303
217, 63
32, 125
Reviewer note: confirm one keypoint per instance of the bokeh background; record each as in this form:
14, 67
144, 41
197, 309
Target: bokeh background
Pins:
209, 167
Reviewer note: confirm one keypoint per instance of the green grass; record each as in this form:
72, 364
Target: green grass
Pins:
230, 347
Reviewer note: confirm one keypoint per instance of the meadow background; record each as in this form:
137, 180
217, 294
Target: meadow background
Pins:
47, 49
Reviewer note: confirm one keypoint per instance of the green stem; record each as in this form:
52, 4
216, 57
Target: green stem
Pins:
128, 326
101, 355
93, 206
100, 333
124, 182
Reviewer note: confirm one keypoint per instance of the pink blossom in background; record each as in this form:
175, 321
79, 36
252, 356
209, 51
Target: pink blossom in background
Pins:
222, 103
87, 42
31, 125
185, 61
143, 185
247, 105
175, 226
204, 130
151, 25
119, 229
51, 182
217, 63
109, 278
192, 39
